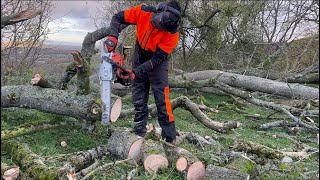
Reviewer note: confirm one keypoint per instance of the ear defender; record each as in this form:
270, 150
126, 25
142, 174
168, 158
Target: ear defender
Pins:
166, 17
161, 7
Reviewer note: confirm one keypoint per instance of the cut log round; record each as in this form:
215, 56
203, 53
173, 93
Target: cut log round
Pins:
154, 162
196, 171
154, 156
181, 164
115, 110
182, 157
125, 145
135, 149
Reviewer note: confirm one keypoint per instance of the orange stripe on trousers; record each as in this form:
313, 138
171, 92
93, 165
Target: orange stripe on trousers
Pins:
168, 104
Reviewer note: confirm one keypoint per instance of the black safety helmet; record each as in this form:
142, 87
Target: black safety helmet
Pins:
167, 16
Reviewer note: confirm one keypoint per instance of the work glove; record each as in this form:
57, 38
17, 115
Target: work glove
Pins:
111, 43
131, 74
138, 71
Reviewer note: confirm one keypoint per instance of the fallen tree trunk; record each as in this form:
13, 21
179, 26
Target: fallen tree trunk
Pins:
54, 101
30, 163
310, 77
88, 107
250, 83
248, 97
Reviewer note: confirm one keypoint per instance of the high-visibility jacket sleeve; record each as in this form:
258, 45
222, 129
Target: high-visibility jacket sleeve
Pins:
127, 17
168, 43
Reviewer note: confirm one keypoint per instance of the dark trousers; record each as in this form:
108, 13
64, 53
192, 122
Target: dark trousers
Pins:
157, 79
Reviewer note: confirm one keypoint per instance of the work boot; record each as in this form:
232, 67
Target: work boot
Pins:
139, 128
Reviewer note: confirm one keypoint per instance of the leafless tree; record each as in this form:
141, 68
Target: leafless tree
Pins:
22, 41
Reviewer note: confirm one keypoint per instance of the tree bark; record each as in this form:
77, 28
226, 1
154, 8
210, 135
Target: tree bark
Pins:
248, 97
217, 173
305, 77
186, 103
125, 145
258, 149
81, 160
29, 162
247, 82
87, 106
54, 101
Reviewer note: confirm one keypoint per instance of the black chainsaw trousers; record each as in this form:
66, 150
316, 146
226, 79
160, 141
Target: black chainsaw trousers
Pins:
157, 79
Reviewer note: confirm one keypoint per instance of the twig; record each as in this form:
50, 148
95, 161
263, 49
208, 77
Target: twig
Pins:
86, 171
104, 166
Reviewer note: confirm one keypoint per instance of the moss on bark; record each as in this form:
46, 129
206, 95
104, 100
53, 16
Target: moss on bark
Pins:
29, 162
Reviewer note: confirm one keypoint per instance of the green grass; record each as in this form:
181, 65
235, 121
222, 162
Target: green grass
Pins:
47, 143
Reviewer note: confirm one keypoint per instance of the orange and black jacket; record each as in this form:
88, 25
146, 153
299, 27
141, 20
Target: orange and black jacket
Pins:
149, 39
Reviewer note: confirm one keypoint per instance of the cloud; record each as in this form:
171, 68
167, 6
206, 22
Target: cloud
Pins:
72, 20
74, 9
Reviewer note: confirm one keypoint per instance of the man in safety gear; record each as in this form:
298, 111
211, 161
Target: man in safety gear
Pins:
157, 36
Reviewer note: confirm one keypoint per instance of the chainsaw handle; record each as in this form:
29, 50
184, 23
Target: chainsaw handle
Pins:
114, 64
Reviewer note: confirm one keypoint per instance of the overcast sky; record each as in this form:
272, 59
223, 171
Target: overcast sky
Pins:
72, 21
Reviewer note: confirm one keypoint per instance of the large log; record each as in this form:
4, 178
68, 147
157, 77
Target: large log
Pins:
309, 75
54, 101
289, 111
88, 106
30, 163
125, 145
251, 83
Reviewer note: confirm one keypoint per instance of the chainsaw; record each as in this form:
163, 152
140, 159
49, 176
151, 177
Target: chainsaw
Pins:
111, 71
